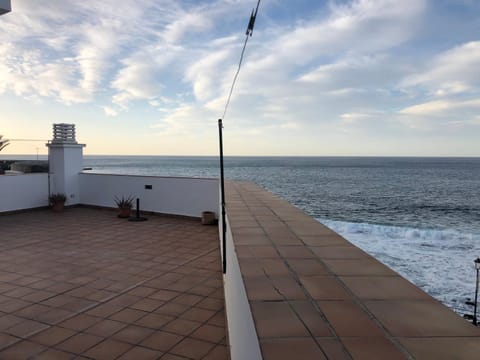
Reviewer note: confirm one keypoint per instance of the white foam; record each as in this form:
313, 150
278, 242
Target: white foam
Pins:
438, 261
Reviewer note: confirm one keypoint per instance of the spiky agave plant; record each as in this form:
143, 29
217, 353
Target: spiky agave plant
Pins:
3, 142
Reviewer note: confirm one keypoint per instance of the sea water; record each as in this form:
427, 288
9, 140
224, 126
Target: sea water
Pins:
419, 216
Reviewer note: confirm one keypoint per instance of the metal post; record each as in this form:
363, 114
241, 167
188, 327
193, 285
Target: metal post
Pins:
137, 213
222, 188
475, 302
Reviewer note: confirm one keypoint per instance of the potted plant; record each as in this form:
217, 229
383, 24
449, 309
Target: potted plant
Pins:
208, 218
124, 204
57, 201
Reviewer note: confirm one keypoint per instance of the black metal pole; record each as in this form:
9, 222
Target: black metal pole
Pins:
222, 190
137, 216
475, 302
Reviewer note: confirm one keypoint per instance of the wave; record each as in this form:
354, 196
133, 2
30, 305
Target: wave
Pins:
399, 232
438, 261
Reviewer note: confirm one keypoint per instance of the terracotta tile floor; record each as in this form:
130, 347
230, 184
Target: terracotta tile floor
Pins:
84, 284
314, 295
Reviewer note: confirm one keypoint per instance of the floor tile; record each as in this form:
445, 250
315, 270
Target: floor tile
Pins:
80, 322
373, 348
349, 319
198, 314
325, 287
442, 348
106, 328
52, 354
192, 348
52, 336
154, 321
291, 348
147, 305
161, 340
22, 350
79, 343
173, 309
311, 318
420, 318
219, 352
209, 333
307, 267
333, 348
108, 350
26, 328
141, 353
128, 315
383, 288
133, 334
7, 340
277, 319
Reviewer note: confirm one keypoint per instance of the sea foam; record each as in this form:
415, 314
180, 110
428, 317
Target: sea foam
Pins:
438, 261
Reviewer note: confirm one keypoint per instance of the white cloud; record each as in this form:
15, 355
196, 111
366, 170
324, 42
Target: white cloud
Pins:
76, 45
454, 71
136, 81
441, 107
354, 117
109, 111
189, 22
358, 27
205, 73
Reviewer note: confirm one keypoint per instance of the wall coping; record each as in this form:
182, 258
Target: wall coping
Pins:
314, 295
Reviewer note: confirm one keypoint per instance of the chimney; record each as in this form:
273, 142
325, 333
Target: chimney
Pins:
64, 134
65, 161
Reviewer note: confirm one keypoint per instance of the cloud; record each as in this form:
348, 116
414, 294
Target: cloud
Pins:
454, 71
348, 29
25, 73
110, 111
205, 72
441, 107
355, 73
137, 80
189, 22
76, 45
352, 118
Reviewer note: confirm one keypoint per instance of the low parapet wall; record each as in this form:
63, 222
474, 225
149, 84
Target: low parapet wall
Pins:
310, 294
168, 195
26, 191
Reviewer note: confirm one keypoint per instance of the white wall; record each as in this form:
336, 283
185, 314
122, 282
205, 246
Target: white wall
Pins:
242, 335
26, 191
169, 195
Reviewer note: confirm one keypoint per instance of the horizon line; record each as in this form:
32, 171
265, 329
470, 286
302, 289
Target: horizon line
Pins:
258, 156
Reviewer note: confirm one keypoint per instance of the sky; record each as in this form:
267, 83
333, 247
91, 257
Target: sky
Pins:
319, 78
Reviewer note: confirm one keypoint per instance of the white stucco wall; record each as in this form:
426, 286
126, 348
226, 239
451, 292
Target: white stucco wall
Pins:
169, 195
18, 192
241, 328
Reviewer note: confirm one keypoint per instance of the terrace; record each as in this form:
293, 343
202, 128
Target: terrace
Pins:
85, 283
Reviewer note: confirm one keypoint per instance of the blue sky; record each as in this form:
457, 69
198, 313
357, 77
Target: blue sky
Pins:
379, 77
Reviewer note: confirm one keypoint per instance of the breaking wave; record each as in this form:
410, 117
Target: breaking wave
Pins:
438, 261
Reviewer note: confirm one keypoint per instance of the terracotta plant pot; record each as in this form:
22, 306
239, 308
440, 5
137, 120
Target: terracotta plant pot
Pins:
208, 218
124, 212
58, 207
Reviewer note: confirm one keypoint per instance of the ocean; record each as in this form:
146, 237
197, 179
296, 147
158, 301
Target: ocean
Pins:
419, 216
